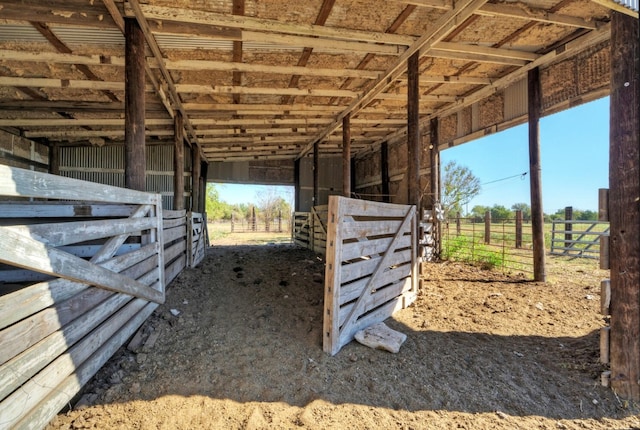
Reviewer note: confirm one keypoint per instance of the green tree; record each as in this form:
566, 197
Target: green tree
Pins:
459, 186
525, 208
216, 208
477, 213
500, 213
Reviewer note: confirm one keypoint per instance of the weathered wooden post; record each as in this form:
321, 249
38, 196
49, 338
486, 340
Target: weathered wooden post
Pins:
487, 227
518, 229
535, 169
316, 175
413, 131
346, 156
134, 107
624, 216
253, 218
178, 162
568, 227
458, 224
296, 178
279, 220
233, 221
384, 171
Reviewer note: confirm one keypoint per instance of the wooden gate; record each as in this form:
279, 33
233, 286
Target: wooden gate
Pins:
197, 228
372, 268
81, 268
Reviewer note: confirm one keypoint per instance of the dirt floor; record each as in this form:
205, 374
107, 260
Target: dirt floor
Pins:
484, 351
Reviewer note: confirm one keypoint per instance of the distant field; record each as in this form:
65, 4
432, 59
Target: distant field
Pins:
220, 234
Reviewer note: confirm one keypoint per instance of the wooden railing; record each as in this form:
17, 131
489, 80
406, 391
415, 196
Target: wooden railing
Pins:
82, 267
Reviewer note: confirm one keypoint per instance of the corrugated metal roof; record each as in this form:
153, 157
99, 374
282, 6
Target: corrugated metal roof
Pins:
22, 33
89, 36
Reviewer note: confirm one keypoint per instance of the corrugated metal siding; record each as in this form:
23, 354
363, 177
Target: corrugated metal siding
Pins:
631, 4
515, 100
105, 165
27, 33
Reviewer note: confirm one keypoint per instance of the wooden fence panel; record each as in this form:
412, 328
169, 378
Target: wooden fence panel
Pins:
302, 231
79, 274
197, 237
319, 228
372, 266
175, 243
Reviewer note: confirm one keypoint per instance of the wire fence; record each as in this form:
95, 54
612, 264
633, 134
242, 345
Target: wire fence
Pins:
506, 245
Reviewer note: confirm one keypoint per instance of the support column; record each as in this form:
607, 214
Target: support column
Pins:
535, 170
195, 178
346, 156
624, 214
54, 159
134, 106
296, 178
204, 171
384, 170
316, 178
434, 179
178, 163
413, 131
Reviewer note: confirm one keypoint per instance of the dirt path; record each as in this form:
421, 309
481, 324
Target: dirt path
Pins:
484, 351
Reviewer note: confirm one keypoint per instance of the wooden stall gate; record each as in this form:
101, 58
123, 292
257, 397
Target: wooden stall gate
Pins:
372, 266
79, 273
302, 229
174, 225
319, 229
197, 227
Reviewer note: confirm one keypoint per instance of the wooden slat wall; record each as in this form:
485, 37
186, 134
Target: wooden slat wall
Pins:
59, 325
197, 237
175, 243
372, 268
319, 219
302, 229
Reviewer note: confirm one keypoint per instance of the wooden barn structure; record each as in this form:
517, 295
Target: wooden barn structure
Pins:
114, 115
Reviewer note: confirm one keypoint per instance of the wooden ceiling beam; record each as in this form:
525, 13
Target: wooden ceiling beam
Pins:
163, 13
438, 31
222, 89
71, 106
83, 134
77, 122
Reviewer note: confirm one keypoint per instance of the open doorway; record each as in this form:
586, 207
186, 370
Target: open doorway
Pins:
249, 214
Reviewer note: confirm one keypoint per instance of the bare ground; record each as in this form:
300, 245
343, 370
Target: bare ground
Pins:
484, 351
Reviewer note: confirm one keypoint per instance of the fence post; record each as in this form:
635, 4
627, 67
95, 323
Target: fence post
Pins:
487, 227
233, 221
280, 221
518, 229
253, 218
568, 227
458, 228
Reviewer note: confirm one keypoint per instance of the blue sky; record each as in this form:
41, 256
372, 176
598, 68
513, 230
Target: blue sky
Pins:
575, 162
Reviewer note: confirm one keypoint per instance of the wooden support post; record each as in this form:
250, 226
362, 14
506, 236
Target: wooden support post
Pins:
384, 171
204, 171
518, 229
458, 224
346, 156
537, 214
413, 131
296, 178
134, 106
624, 182
195, 178
487, 227
568, 227
316, 175
353, 176
434, 179
178, 163
54, 159
603, 215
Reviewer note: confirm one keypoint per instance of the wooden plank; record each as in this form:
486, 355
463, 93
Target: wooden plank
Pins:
353, 271
173, 251
364, 229
175, 233
624, 157
379, 298
29, 300
414, 152
174, 269
372, 247
62, 210
58, 234
350, 292
346, 156
23, 251
178, 163
172, 223
15, 182
172, 214
331, 328
605, 297
123, 325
